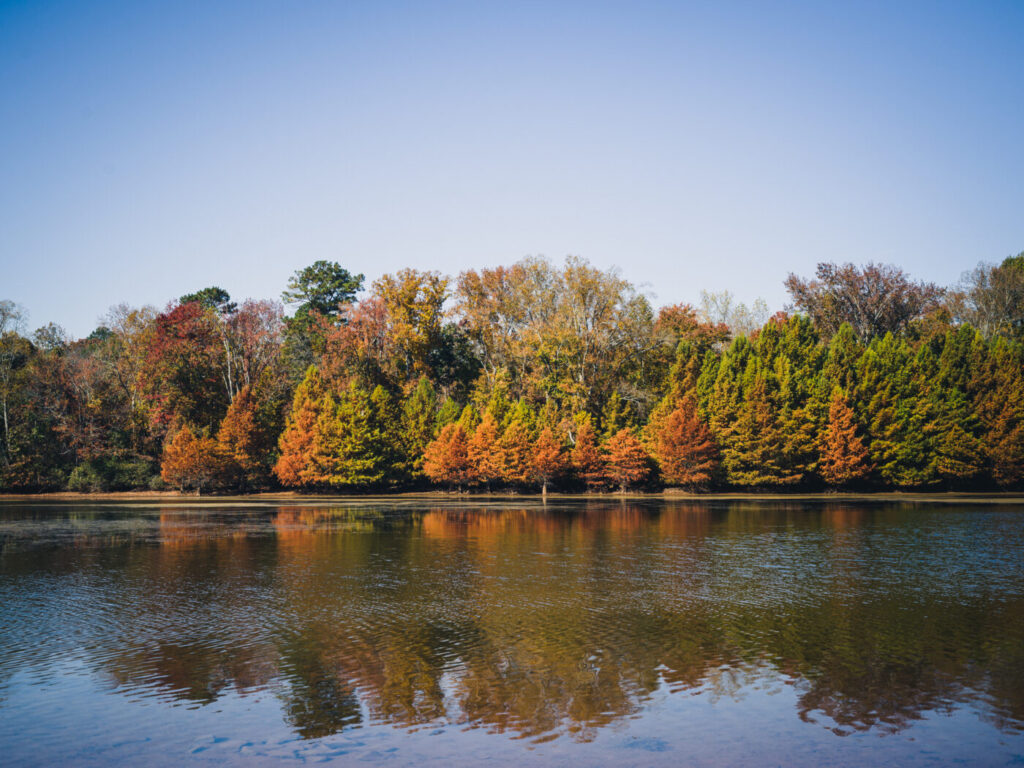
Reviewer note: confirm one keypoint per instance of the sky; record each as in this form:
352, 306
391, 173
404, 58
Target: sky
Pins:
149, 149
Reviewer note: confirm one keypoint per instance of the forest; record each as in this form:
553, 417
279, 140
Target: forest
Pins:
526, 378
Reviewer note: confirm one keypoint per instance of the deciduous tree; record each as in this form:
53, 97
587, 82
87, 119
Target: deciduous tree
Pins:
191, 460
626, 461
485, 461
875, 300
446, 459
549, 459
844, 457
587, 459
684, 448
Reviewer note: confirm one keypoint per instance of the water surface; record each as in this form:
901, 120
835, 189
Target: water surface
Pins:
423, 632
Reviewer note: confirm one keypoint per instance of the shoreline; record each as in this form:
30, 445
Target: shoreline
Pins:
292, 497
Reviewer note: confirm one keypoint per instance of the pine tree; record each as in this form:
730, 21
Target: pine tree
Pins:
626, 461
587, 460
844, 457
684, 448
446, 459
549, 460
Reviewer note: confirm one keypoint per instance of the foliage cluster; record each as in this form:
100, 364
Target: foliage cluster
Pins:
530, 376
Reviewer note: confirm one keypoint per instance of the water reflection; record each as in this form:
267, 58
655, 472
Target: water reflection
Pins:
535, 622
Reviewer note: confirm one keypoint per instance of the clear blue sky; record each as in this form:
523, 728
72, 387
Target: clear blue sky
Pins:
151, 149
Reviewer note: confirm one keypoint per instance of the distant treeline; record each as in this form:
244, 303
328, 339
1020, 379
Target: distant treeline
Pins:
527, 377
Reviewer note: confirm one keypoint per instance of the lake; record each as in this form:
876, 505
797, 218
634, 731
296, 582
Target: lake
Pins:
508, 632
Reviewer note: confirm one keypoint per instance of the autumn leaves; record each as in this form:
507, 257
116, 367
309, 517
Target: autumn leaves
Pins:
364, 440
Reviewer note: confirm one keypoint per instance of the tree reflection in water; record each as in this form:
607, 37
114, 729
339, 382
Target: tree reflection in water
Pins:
538, 623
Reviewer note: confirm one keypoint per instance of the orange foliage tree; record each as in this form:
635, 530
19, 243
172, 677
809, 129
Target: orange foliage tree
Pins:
844, 457
239, 442
191, 461
626, 460
484, 457
515, 454
586, 459
446, 459
298, 440
684, 447
549, 461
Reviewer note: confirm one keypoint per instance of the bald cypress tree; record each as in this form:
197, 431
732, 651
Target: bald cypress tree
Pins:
446, 459
295, 465
626, 461
683, 446
549, 461
515, 450
754, 453
419, 419
844, 456
485, 461
587, 460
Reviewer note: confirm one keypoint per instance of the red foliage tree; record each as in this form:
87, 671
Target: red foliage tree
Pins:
684, 447
626, 460
182, 376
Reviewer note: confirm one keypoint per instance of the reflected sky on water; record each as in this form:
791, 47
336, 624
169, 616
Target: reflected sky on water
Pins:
612, 632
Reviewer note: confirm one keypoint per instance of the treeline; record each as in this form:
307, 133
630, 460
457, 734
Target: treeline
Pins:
527, 377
